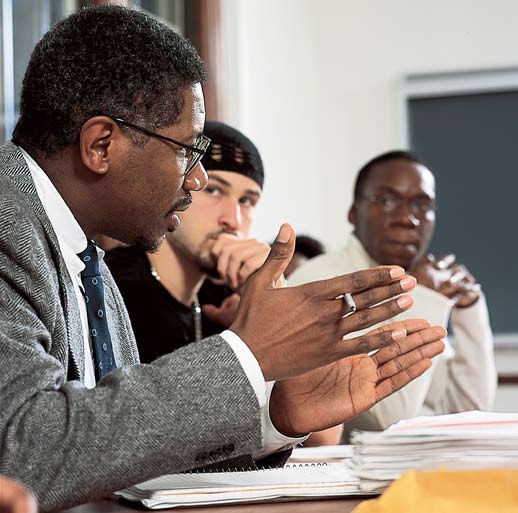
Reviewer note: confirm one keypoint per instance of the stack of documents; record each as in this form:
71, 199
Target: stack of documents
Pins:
321, 453
295, 482
463, 441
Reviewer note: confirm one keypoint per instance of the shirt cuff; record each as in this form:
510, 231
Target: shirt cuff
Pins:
273, 440
472, 315
249, 364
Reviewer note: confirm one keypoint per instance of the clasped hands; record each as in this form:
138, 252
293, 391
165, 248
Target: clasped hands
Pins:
448, 277
236, 260
296, 335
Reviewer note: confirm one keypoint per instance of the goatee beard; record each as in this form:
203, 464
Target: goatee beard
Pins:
210, 270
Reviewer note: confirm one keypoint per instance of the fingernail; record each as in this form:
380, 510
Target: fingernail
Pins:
407, 283
398, 334
404, 301
284, 234
397, 272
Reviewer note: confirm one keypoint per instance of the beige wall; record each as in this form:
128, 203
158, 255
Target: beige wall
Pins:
316, 85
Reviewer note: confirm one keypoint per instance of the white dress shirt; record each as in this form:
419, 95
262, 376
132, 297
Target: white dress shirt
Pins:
72, 240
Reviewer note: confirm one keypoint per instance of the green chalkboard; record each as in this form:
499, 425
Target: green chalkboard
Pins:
470, 142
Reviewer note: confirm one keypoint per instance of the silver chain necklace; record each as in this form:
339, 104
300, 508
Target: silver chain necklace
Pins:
196, 308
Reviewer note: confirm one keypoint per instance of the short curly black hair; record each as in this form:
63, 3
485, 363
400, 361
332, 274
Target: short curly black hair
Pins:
103, 60
364, 172
308, 246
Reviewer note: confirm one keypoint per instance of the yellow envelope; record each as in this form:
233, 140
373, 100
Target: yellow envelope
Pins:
482, 491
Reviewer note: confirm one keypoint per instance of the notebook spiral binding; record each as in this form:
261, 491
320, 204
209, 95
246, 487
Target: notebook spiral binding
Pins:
313, 464
252, 469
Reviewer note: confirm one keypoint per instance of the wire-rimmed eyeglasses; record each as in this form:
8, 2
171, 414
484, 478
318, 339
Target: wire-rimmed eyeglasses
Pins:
389, 203
194, 153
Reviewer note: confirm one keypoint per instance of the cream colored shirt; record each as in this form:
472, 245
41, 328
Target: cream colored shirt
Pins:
461, 378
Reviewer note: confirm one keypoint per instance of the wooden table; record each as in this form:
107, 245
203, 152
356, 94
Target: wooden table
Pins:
345, 505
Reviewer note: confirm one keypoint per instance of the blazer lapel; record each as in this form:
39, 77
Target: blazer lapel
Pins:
13, 164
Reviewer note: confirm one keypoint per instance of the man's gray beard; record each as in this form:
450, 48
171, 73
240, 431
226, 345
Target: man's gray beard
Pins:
148, 245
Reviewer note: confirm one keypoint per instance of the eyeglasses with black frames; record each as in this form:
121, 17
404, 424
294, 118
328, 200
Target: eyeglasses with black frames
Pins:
389, 203
193, 153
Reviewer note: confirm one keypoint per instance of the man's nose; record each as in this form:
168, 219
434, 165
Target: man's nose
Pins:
231, 217
196, 180
405, 215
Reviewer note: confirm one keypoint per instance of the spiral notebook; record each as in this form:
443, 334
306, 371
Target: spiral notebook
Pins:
292, 482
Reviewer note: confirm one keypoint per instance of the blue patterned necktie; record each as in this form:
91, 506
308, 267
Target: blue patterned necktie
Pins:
104, 361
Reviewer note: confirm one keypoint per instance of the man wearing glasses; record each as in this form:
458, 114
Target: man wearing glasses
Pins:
190, 286
393, 215
108, 142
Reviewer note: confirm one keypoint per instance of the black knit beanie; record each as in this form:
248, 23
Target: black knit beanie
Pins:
230, 150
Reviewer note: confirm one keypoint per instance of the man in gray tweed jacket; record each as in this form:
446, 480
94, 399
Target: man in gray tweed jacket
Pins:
82, 164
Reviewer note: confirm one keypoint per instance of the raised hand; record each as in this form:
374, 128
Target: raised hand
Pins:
448, 277
296, 329
334, 394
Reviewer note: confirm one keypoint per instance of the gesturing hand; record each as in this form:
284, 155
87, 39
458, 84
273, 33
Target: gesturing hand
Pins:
334, 394
296, 329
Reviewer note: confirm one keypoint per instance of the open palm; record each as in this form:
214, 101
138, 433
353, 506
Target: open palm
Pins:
337, 392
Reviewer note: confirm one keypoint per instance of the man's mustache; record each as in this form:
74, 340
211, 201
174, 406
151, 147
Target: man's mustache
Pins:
215, 235
183, 204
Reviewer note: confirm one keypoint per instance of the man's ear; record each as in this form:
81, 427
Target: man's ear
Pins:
353, 214
95, 143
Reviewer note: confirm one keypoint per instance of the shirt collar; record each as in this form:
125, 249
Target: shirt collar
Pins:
71, 238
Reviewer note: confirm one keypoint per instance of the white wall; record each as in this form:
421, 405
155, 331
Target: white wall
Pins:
278, 105
316, 87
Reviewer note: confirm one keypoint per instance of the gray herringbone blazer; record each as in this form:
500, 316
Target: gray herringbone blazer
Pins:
69, 444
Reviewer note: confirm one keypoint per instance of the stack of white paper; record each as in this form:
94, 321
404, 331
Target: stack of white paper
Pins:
462, 441
322, 452
299, 481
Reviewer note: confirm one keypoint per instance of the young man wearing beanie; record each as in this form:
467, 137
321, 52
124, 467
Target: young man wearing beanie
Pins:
190, 286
